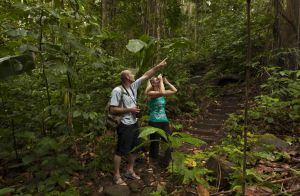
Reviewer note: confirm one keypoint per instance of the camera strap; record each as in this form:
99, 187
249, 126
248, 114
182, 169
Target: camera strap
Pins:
132, 98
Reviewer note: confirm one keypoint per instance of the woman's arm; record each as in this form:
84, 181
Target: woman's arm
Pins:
148, 88
172, 89
161, 84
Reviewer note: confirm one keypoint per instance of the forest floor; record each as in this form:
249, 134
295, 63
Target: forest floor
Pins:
207, 127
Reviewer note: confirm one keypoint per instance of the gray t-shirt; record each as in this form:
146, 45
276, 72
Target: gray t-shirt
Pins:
129, 102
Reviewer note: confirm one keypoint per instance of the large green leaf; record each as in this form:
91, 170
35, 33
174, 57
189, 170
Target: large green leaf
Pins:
135, 45
184, 137
14, 65
146, 131
17, 32
5, 191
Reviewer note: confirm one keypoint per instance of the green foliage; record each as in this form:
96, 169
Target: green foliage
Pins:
252, 177
179, 138
223, 39
48, 116
189, 173
70, 191
104, 149
277, 111
189, 169
50, 164
5, 191
135, 45
146, 131
13, 65
144, 49
173, 14
176, 139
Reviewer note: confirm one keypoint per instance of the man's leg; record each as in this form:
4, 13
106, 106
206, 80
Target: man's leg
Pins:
117, 163
132, 156
120, 151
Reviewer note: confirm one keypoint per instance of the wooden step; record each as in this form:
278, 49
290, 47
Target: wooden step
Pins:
203, 125
222, 117
221, 111
204, 132
213, 121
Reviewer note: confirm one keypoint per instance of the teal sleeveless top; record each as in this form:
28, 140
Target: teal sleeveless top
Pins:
157, 111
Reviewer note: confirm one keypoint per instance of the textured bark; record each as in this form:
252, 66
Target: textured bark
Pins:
158, 28
286, 31
107, 13
291, 23
197, 16
276, 27
153, 10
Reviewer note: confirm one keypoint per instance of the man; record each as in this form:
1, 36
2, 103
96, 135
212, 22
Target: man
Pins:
128, 129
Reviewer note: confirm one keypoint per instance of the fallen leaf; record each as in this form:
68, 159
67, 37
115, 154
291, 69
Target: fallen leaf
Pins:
202, 191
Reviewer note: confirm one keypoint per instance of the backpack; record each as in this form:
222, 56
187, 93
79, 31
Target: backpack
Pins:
112, 121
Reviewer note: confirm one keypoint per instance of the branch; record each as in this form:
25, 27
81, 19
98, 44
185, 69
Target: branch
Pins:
294, 190
285, 179
222, 192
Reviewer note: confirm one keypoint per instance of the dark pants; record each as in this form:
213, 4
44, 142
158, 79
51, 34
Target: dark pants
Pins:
154, 145
127, 138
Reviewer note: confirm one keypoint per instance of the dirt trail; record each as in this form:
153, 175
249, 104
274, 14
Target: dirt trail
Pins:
210, 127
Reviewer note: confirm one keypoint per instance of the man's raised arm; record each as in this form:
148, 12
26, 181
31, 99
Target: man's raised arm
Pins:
148, 74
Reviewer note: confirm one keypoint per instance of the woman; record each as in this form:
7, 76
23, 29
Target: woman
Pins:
156, 93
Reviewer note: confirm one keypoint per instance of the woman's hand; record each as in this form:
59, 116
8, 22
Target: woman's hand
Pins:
160, 77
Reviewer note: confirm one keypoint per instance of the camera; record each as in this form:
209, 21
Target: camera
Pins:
139, 114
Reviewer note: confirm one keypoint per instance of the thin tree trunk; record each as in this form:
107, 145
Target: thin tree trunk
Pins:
246, 96
105, 13
70, 93
148, 17
42, 59
70, 110
14, 138
154, 17
44, 76
276, 27
158, 28
144, 14
197, 16
298, 41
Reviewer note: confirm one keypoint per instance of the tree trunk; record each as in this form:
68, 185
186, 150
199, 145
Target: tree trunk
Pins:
197, 15
153, 10
276, 27
290, 28
290, 33
158, 28
105, 13
286, 31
